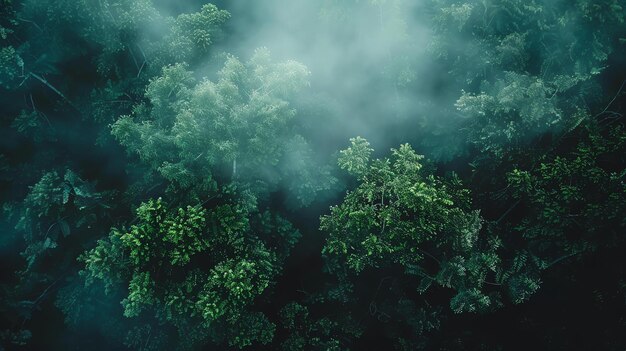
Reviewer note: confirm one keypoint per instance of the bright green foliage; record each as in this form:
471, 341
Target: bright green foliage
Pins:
399, 215
140, 294
106, 261
355, 159
181, 233
236, 283
196, 269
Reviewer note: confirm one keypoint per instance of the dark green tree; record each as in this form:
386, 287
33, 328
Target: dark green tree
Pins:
199, 270
400, 215
576, 204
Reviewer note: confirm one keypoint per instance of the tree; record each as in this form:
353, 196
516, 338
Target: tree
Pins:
523, 69
53, 221
576, 202
399, 215
306, 333
54, 207
195, 134
199, 270
66, 69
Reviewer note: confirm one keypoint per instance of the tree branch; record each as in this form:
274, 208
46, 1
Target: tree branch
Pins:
57, 91
508, 211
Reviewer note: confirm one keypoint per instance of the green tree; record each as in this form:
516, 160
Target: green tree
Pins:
306, 333
53, 222
199, 270
53, 208
400, 215
523, 69
575, 203
238, 128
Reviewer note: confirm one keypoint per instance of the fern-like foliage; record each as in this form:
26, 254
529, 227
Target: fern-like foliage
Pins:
195, 269
400, 215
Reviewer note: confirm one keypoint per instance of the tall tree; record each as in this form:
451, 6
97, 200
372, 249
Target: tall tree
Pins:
417, 228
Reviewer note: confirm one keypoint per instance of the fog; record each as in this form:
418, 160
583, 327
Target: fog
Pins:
365, 58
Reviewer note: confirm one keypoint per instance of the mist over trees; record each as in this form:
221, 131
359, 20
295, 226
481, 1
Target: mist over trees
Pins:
313, 175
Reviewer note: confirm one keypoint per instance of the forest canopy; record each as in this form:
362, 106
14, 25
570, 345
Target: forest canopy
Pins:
313, 175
